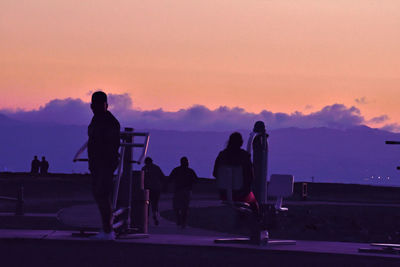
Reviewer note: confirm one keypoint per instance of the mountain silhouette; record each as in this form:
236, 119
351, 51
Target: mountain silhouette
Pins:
354, 155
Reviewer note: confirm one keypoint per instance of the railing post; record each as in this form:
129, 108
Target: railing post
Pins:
304, 191
140, 203
19, 210
127, 172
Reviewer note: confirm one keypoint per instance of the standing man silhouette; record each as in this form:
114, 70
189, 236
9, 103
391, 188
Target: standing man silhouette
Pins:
44, 166
183, 178
258, 144
35, 166
103, 144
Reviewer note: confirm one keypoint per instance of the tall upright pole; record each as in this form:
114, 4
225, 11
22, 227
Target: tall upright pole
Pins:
257, 146
127, 170
393, 143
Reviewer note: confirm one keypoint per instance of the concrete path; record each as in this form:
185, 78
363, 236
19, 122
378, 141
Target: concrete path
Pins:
193, 239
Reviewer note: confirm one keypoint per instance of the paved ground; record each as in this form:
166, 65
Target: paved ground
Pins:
185, 243
194, 242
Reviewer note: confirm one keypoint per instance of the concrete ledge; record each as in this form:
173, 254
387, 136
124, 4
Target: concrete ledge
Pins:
58, 248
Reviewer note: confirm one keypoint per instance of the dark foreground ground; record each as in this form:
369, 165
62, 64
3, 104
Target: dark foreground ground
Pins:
332, 212
88, 253
312, 222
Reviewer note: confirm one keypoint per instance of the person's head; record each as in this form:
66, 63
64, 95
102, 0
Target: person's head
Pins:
235, 141
43, 158
259, 127
184, 162
99, 103
35, 157
148, 161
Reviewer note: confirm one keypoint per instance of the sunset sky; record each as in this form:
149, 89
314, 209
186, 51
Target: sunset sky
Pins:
278, 55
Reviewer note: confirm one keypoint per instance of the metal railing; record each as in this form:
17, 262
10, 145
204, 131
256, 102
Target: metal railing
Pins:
19, 208
124, 170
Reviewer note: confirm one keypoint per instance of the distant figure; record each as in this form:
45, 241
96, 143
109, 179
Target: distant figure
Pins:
44, 166
234, 155
35, 165
103, 144
258, 144
153, 179
183, 178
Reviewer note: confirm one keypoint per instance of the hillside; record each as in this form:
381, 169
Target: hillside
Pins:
355, 155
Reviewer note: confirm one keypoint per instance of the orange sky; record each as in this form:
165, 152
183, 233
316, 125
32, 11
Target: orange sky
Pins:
279, 55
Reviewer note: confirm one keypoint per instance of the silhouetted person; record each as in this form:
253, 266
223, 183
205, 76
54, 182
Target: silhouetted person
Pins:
44, 166
35, 165
153, 179
234, 155
103, 144
183, 178
258, 144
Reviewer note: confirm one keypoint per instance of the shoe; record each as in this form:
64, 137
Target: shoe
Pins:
104, 236
264, 235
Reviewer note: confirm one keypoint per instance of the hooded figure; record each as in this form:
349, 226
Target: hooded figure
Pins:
257, 145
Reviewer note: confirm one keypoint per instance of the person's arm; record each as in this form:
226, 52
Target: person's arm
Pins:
172, 175
250, 142
195, 179
163, 180
89, 146
216, 165
114, 141
162, 175
248, 169
116, 136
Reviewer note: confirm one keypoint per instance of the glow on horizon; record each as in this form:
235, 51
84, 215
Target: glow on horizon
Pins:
277, 55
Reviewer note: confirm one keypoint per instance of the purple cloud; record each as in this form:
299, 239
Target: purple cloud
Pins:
62, 111
120, 102
198, 117
379, 119
392, 127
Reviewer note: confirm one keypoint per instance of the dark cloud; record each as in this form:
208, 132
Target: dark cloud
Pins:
198, 117
392, 127
308, 107
379, 119
361, 100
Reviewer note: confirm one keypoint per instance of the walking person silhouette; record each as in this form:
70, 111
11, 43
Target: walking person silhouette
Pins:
183, 178
153, 180
103, 144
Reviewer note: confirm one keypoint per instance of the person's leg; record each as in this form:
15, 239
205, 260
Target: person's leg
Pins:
184, 212
151, 201
156, 200
178, 217
102, 191
185, 207
104, 205
154, 197
176, 207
